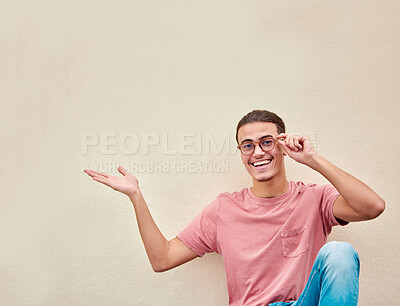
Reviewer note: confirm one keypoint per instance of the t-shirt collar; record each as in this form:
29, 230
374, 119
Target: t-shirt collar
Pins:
273, 200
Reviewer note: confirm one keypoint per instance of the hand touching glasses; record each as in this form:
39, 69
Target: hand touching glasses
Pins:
300, 148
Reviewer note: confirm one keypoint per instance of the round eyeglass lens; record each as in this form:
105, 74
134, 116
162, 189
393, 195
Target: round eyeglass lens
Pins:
267, 144
247, 148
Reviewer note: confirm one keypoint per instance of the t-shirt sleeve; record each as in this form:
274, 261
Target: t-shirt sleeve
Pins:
326, 195
201, 234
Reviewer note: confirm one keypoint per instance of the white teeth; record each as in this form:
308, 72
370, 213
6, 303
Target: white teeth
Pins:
263, 162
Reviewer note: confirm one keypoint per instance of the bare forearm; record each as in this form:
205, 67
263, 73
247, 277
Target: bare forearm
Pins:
163, 254
155, 243
358, 195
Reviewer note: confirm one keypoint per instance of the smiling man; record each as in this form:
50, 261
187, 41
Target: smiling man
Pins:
272, 236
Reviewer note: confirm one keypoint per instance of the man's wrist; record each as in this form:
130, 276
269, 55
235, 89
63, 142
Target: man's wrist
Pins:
135, 196
315, 161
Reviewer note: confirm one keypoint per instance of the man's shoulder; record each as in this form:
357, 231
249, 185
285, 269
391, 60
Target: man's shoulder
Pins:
239, 195
225, 199
318, 190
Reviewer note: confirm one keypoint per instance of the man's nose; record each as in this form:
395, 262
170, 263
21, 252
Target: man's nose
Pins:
258, 151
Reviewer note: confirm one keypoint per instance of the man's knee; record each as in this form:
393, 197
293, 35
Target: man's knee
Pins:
339, 253
338, 246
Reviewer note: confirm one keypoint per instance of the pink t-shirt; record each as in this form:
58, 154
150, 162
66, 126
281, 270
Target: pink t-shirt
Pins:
268, 245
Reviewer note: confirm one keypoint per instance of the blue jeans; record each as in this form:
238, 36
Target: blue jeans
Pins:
333, 279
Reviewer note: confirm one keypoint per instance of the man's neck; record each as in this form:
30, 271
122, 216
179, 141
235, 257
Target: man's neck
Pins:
270, 189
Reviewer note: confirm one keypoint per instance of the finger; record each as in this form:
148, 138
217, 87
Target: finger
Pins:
122, 170
106, 181
305, 138
281, 136
286, 139
284, 147
90, 173
95, 173
297, 143
306, 142
291, 143
102, 180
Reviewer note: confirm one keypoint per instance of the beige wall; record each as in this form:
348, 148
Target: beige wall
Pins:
71, 71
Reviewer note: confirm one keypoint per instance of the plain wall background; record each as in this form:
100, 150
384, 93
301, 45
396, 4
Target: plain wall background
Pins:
69, 69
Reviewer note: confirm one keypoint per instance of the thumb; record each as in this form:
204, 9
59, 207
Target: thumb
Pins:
122, 170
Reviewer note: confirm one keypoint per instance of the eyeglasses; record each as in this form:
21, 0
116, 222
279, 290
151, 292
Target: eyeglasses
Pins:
248, 147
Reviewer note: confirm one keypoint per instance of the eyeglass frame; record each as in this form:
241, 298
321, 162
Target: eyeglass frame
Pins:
255, 143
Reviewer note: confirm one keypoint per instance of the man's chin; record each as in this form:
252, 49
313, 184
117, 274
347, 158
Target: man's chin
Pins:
259, 177
262, 179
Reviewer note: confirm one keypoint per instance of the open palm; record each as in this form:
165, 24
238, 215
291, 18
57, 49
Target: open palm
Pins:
127, 184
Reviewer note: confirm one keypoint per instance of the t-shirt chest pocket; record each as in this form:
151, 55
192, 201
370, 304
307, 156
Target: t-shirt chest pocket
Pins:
295, 241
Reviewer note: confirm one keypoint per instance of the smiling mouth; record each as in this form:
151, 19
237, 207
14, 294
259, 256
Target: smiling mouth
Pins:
261, 163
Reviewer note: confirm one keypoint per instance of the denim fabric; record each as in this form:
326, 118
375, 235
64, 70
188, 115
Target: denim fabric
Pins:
333, 279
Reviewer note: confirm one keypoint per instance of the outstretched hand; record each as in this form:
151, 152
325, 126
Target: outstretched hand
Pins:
300, 148
127, 184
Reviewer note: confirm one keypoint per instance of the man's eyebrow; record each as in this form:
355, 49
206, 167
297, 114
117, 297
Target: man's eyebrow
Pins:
262, 137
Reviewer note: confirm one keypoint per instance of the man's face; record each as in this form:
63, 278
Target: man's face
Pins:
274, 165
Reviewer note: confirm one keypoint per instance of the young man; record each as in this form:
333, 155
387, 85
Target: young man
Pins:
271, 236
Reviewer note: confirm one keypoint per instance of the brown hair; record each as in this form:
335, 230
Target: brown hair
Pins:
261, 116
